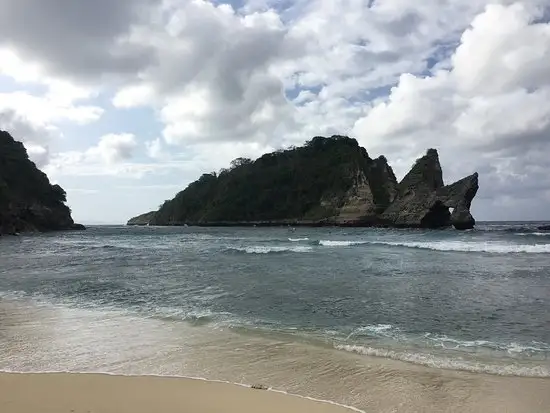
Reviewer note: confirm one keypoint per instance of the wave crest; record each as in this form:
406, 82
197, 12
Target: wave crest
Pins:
262, 249
450, 246
330, 243
462, 246
447, 363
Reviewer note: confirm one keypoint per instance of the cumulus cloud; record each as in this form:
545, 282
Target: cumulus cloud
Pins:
212, 80
34, 119
469, 77
486, 112
79, 39
110, 156
114, 147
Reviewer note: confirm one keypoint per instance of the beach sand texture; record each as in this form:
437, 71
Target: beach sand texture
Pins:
100, 393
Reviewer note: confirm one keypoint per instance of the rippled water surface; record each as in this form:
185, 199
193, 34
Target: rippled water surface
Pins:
477, 301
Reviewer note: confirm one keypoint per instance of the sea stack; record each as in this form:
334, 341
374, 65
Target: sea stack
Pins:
423, 201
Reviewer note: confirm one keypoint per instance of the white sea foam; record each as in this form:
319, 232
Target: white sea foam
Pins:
448, 363
330, 243
377, 328
298, 239
537, 234
511, 348
261, 249
451, 245
471, 246
385, 330
448, 342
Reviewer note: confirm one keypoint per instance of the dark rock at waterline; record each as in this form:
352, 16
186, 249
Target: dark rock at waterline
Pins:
28, 202
328, 181
423, 201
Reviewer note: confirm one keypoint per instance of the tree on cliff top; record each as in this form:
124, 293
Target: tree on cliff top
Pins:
287, 184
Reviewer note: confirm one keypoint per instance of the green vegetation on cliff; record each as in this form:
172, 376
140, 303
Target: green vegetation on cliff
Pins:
328, 181
28, 202
309, 183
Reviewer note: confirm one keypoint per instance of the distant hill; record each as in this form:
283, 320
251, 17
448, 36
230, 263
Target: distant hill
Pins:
328, 181
28, 202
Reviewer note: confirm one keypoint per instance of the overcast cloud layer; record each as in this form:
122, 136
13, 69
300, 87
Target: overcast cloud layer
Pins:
124, 103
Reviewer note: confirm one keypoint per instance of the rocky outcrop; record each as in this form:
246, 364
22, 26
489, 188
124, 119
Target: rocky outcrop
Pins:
423, 201
329, 181
143, 219
458, 197
28, 202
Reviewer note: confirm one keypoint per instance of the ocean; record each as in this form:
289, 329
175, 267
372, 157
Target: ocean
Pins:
372, 318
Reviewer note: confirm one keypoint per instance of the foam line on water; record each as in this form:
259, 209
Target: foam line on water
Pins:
331, 243
450, 246
447, 363
536, 234
263, 249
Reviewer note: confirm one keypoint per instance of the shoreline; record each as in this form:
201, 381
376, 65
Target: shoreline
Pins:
105, 392
223, 359
108, 392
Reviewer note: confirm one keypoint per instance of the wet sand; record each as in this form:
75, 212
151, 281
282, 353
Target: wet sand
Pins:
97, 393
42, 339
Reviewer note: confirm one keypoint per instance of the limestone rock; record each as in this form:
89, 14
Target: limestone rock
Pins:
423, 201
382, 182
459, 196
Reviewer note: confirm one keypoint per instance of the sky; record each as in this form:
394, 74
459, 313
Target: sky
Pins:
124, 103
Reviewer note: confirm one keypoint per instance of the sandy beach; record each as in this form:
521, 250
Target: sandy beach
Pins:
140, 355
100, 393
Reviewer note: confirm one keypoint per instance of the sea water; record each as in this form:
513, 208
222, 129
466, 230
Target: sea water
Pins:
315, 311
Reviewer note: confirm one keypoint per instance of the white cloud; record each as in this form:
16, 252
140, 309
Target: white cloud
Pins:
133, 96
110, 157
114, 147
212, 80
483, 99
486, 113
49, 109
156, 150
32, 117
470, 77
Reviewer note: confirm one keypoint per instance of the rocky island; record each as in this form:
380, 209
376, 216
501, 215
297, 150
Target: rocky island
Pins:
328, 181
28, 202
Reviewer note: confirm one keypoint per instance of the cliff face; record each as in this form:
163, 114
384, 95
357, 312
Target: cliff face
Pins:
422, 200
28, 202
329, 181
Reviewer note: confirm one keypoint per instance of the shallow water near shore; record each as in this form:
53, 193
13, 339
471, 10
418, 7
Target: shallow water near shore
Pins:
376, 319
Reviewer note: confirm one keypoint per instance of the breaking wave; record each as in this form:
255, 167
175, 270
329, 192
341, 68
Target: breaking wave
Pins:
463, 246
442, 362
329, 243
261, 249
458, 246
298, 239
